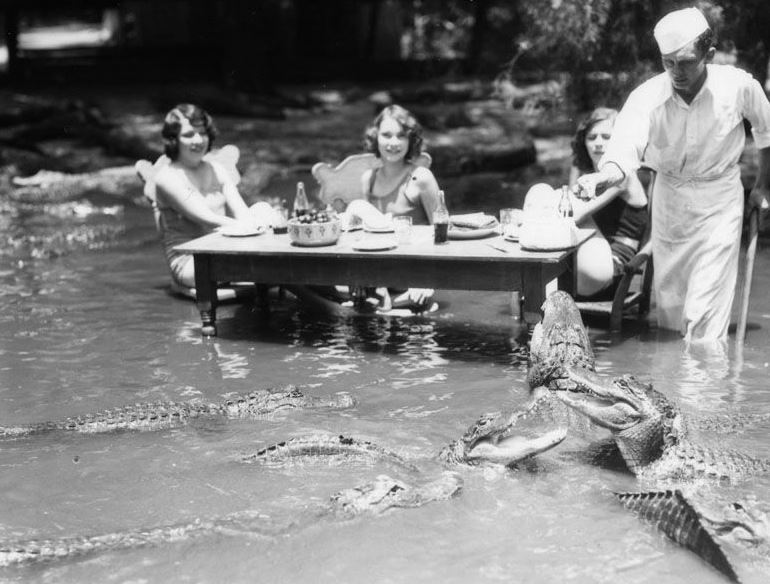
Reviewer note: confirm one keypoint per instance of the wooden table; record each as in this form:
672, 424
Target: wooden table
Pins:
457, 265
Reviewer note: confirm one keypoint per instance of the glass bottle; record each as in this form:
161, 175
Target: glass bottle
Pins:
282, 217
441, 221
301, 204
565, 203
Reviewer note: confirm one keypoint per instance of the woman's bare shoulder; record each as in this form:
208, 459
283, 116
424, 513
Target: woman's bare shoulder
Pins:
423, 175
169, 177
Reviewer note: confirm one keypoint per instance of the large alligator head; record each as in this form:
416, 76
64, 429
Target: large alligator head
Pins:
643, 422
558, 341
506, 438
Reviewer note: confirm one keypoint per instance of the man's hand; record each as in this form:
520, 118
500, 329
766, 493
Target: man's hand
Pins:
759, 198
588, 185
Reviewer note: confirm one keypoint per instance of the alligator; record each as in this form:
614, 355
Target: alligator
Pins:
685, 520
164, 415
650, 431
495, 437
559, 340
647, 428
508, 438
324, 445
373, 498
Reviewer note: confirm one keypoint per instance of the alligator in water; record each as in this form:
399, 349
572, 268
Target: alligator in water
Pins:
650, 434
647, 427
505, 447
504, 439
560, 340
495, 437
650, 431
166, 415
374, 498
704, 528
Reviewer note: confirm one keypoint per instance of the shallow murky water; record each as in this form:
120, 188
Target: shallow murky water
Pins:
96, 329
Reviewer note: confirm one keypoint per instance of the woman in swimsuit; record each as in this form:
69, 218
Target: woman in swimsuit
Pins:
196, 196
399, 186
619, 214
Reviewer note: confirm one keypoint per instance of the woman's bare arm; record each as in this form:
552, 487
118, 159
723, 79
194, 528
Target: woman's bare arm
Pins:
176, 191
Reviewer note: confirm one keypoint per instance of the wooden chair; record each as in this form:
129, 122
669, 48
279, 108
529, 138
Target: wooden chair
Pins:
227, 156
341, 184
634, 290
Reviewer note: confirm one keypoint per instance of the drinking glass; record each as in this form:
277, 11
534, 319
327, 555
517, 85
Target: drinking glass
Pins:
402, 226
506, 220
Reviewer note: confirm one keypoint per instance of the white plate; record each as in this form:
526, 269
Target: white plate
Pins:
388, 229
471, 233
238, 231
375, 244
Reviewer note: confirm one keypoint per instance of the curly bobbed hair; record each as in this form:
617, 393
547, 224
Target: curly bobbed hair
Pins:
172, 126
408, 122
580, 157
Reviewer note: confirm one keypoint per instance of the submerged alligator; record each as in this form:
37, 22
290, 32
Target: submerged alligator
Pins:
650, 434
504, 439
147, 417
373, 498
706, 529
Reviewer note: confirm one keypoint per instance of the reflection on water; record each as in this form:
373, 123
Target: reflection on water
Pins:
88, 331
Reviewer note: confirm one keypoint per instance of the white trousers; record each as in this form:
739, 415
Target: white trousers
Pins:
696, 234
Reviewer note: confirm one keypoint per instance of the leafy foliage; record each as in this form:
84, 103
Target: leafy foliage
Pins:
565, 34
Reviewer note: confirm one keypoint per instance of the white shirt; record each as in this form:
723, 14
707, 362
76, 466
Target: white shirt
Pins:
702, 140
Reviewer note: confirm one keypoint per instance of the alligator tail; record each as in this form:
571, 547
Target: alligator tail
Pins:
674, 515
137, 417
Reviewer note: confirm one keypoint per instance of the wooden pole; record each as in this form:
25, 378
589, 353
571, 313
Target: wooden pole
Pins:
751, 250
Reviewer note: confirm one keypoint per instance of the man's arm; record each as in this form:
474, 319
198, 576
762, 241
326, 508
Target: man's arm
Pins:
759, 198
626, 145
588, 185
757, 110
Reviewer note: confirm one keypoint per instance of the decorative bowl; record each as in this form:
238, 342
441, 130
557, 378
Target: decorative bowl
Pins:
314, 234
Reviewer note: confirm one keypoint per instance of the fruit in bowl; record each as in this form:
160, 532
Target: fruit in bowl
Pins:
315, 228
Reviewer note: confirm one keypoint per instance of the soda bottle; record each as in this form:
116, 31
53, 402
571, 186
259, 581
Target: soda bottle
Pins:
440, 221
565, 203
282, 217
301, 204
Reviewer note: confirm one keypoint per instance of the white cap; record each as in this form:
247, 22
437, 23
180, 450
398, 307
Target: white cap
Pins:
679, 28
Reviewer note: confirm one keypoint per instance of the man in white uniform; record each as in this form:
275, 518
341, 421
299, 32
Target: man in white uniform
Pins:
687, 124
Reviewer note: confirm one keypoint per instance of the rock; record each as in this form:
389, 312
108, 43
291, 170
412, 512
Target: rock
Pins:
436, 92
18, 108
46, 187
497, 142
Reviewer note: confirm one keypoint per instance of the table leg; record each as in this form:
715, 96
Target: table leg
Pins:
515, 305
568, 278
263, 298
533, 289
206, 294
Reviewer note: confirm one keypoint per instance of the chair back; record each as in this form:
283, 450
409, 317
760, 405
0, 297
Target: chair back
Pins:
227, 156
341, 184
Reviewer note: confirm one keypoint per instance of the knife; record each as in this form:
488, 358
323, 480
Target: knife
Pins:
493, 246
